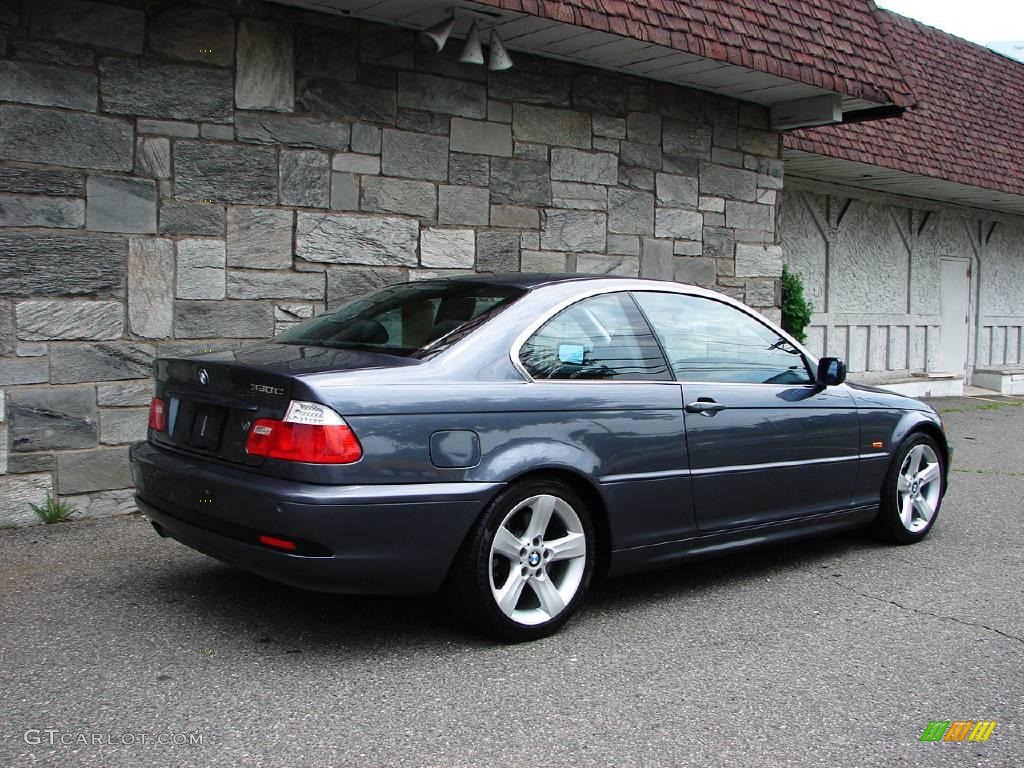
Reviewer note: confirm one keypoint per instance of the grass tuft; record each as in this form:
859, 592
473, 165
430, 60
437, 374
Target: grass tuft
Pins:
54, 511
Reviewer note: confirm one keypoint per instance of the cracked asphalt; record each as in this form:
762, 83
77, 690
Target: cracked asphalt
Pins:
833, 652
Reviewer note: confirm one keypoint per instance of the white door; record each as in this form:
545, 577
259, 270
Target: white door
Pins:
955, 308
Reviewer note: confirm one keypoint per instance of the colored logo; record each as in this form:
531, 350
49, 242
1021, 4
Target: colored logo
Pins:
958, 730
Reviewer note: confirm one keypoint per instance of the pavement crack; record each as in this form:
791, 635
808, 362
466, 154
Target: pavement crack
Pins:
910, 608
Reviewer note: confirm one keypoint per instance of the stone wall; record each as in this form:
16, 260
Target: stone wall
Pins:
195, 176
870, 265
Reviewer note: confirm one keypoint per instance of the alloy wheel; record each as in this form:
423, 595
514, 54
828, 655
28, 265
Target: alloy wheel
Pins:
919, 487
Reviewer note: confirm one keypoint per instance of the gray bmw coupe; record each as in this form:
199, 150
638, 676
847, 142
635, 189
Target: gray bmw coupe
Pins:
508, 439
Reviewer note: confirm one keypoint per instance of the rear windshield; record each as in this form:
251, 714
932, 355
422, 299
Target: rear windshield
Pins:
407, 319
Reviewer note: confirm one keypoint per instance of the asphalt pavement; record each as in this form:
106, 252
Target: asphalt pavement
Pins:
116, 646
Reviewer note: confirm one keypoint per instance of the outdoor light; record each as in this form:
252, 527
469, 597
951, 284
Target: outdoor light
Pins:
472, 51
500, 60
434, 38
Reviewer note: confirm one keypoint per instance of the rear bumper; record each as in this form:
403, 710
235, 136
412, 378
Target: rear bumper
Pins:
367, 539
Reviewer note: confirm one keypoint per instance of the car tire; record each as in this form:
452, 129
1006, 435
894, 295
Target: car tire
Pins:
912, 492
526, 565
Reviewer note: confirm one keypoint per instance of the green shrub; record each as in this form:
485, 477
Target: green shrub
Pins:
53, 511
796, 310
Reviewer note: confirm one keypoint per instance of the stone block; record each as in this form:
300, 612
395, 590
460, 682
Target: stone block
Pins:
24, 370
47, 86
412, 198
607, 145
353, 101
609, 127
414, 121
644, 127
70, 139
685, 138
61, 54
98, 470
344, 192
630, 212
98, 24
320, 49
176, 91
515, 217
37, 211
168, 128
632, 153
688, 248
200, 269
760, 293
544, 125
119, 426
48, 319
749, 216
414, 155
624, 245
527, 151
387, 46
100, 361
499, 112
656, 261
531, 87
480, 137
727, 157
223, 319
216, 131
638, 178
259, 238
60, 265
442, 94
261, 284
463, 205
450, 248
37, 181
151, 287
469, 170
593, 197
677, 191
349, 239
754, 260
757, 142
346, 283
103, 503
179, 218
695, 270
543, 261
305, 178
153, 157
520, 182
677, 223
619, 266
575, 231
684, 166
497, 252
265, 66
731, 183
52, 419
353, 163
366, 139
586, 167
18, 493
711, 204
120, 204
8, 339
24, 463
124, 394
227, 172
295, 131
192, 33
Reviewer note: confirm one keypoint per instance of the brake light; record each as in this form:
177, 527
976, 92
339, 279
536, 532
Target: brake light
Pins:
157, 415
274, 541
309, 432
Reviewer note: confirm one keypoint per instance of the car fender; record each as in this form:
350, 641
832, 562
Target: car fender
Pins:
519, 457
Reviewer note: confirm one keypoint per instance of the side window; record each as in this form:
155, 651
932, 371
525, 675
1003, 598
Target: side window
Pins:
604, 337
706, 340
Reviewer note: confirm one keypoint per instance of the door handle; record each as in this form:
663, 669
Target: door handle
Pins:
705, 407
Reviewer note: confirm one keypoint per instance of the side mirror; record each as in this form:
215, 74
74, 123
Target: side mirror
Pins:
831, 371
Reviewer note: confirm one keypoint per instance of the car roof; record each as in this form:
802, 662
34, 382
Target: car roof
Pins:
529, 280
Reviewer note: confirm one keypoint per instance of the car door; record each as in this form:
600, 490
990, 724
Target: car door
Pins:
765, 443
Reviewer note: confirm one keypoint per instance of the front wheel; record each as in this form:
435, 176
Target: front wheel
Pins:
912, 492
525, 567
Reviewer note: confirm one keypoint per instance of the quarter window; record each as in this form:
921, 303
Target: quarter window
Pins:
604, 337
707, 340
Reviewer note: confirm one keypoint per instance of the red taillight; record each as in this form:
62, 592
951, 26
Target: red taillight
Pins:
273, 541
157, 415
309, 432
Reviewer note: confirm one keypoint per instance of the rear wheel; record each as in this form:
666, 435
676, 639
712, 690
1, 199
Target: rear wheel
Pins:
526, 565
912, 492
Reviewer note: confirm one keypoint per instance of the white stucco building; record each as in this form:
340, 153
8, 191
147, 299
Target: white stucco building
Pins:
909, 231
